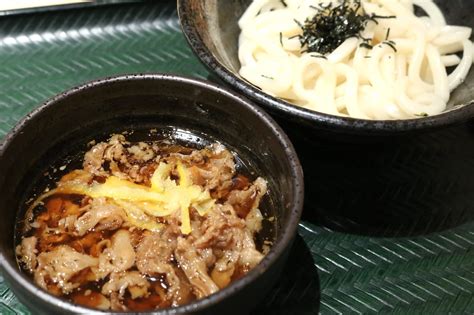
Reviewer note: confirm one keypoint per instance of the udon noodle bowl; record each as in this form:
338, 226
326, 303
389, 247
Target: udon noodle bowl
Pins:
144, 226
366, 59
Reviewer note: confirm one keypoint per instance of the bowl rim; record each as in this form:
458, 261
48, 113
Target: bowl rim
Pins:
309, 118
288, 228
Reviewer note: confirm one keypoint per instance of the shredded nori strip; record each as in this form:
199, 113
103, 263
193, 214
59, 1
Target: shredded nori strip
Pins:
284, 3
333, 24
422, 115
319, 56
299, 24
391, 44
374, 16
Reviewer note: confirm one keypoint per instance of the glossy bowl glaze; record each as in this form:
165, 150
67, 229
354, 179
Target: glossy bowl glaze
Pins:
212, 31
190, 111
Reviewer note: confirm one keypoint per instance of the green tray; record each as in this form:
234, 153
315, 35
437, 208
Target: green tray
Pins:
329, 272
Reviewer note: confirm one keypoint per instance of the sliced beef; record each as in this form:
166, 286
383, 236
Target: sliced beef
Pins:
218, 227
27, 251
100, 215
249, 255
244, 201
195, 269
119, 158
59, 266
94, 159
120, 256
155, 255
132, 281
217, 172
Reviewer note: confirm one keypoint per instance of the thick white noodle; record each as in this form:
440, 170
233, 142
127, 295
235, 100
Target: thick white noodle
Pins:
460, 73
450, 60
434, 13
406, 79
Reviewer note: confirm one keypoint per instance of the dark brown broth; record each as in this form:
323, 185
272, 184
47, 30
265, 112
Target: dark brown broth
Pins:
88, 294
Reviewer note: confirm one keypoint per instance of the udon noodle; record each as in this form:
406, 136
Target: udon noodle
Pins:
401, 65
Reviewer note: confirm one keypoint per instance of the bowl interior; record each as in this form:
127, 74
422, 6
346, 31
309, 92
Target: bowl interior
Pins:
187, 111
215, 24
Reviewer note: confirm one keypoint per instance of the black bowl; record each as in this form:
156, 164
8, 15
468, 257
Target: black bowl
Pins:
185, 109
212, 31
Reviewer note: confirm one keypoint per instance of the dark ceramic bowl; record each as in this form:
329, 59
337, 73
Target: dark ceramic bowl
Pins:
184, 109
212, 31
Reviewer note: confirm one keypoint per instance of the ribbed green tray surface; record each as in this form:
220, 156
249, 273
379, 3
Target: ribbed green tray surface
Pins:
328, 272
